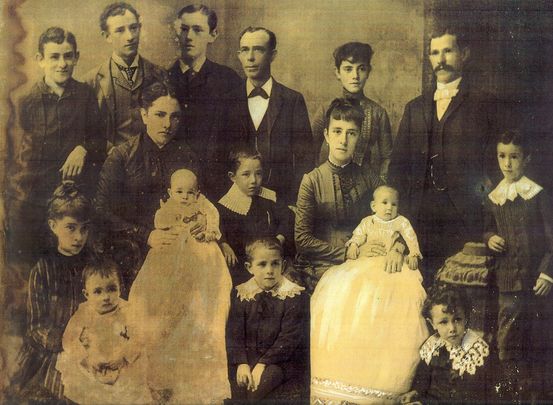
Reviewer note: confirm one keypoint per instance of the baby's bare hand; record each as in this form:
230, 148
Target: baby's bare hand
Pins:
352, 251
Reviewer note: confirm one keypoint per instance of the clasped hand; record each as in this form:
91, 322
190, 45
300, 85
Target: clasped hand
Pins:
249, 378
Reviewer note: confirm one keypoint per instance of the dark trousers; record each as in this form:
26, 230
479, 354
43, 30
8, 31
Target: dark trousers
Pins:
524, 340
441, 231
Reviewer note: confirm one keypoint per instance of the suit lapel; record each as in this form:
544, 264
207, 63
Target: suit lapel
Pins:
275, 104
428, 109
104, 80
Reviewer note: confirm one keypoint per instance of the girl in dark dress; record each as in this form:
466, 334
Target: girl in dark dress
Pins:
249, 210
54, 294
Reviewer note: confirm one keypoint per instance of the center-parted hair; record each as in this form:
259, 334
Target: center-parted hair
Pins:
239, 152
267, 242
102, 266
354, 52
194, 8
452, 298
56, 35
346, 110
272, 37
69, 201
154, 91
114, 9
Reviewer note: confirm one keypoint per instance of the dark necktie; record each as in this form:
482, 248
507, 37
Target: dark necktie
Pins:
258, 91
129, 72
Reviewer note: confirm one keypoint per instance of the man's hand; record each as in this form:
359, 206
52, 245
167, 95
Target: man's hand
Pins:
244, 377
496, 243
229, 254
542, 287
256, 374
160, 238
352, 251
74, 163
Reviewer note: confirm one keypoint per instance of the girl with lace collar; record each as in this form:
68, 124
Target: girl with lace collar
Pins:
249, 210
267, 327
455, 361
519, 231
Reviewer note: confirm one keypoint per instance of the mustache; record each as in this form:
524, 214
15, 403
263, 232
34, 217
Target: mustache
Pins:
443, 66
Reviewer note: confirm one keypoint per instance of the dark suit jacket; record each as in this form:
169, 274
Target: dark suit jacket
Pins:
201, 103
100, 80
469, 128
291, 152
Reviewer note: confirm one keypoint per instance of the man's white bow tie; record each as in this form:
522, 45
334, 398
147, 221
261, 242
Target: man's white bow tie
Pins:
445, 94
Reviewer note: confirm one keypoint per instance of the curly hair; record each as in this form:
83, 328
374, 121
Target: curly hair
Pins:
452, 298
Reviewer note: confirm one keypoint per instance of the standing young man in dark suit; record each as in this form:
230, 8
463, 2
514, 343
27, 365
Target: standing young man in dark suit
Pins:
271, 117
119, 80
439, 162
199, 82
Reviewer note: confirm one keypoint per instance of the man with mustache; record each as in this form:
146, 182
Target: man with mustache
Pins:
439, 162
270, 117
118, 81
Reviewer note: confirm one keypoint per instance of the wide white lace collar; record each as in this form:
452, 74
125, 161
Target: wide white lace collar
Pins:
238, 202
286, 289
524, 187
464, 358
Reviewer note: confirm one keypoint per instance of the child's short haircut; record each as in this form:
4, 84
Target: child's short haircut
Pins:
268, 242
57, 35
451, 298
354, 52
114, 9
194, 8
243, 151
103, 267
68, 200
516, 138
382, 188
155, 91
346, 110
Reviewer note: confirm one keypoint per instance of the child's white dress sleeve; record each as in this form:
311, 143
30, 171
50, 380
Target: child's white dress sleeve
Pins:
408, 233
212, 230
360, 232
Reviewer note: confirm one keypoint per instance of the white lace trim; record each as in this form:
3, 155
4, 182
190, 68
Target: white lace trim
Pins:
238, 202
286, 289
524, 187
350, 389
464, 358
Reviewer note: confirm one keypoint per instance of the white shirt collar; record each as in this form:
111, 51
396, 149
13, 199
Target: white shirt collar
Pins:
117, 59
523, 187
238, 202
268, 86
196, 65
450, 86
286, 289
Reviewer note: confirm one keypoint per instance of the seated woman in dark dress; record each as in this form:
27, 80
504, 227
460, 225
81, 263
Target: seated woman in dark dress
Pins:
332, 200
135, 176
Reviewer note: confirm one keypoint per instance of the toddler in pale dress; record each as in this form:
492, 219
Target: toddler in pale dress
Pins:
101, 360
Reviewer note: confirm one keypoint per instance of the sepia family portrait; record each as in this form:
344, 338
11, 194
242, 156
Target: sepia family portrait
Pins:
280, 202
